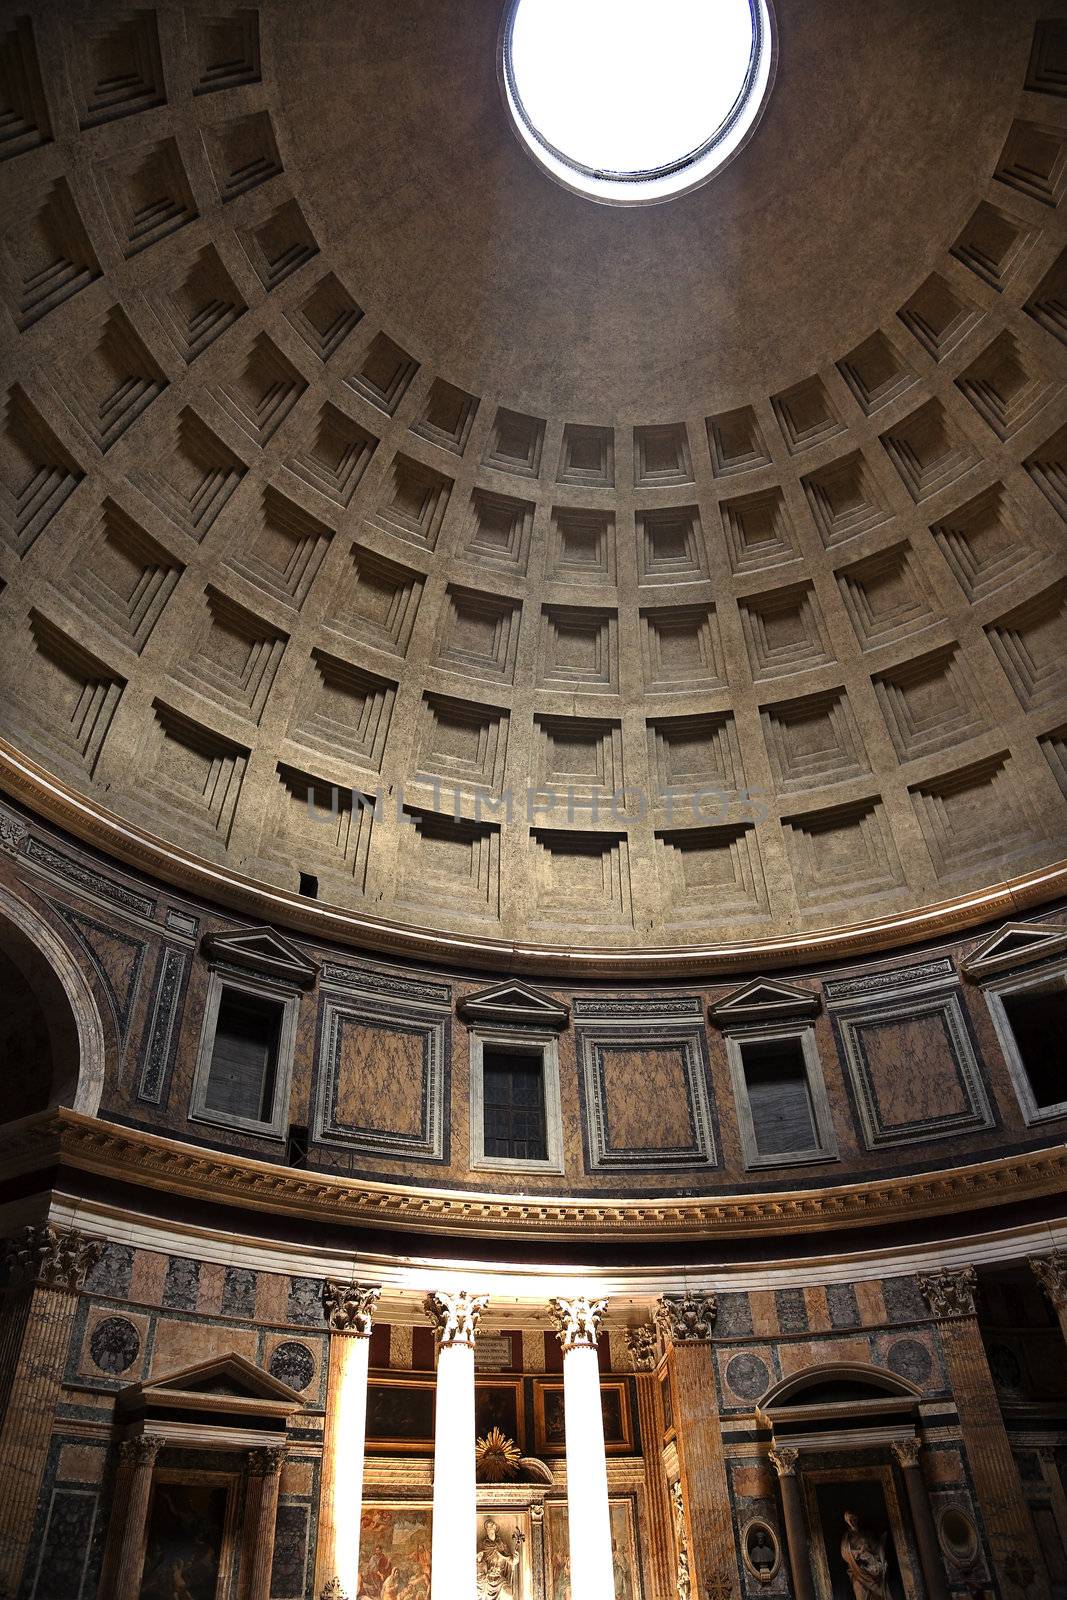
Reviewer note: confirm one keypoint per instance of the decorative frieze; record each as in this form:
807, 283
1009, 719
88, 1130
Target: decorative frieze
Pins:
687, 1318
455, 1315
578, 1321
950, 1292
350, 1307
55, 1258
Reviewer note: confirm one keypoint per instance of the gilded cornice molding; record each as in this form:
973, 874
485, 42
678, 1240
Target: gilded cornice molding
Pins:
51, 799
152, 1161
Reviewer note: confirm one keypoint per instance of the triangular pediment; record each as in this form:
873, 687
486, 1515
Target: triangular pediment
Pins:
764, 999
1013, 945
516, 1003
262, 950
228, 1381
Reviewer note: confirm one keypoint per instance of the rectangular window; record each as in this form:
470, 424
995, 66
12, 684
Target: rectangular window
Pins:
1038, 1022
779, 1097
513, 1105
244, 1057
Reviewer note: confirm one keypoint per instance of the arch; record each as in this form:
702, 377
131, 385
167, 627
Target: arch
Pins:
75, 1030
837, 1383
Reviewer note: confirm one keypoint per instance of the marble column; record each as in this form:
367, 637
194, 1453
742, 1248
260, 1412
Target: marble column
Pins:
133, 1488
45, 1269
1051, 1273
578, 1323
643, 1344
454, 1558
951, 1297
906, 1453
349, 1309
687, 1322
263, 1469
784, 1462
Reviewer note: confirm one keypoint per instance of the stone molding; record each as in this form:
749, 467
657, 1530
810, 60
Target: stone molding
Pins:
687, 1318
454, 1314
1051, 1274
154, 1161
350, 1307
578, 1321
54, 1258
951, 1292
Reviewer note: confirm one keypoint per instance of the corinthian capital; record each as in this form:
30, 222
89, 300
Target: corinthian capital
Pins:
906, 1452
687, 1318
950, 1292
784, 1461
56, 1258
454, 1314
350, 1307
1051, 1274
141, 1451
643, 1344
578, 1321
265, 1463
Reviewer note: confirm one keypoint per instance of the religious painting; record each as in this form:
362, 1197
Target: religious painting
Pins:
858, 1547
499, 1405
394, 1553
549, 1429
400, 1415
623, 1549
185, 1542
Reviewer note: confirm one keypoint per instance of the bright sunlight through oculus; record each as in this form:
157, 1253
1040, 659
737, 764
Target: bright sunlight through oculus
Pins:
631, 102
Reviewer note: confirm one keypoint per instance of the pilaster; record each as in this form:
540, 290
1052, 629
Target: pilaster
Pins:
951, 1297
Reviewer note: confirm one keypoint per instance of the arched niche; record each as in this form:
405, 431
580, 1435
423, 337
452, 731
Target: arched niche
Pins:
52, 1013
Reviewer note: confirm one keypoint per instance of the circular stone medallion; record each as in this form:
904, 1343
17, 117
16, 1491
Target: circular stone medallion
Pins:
748, 1376
293, 1363
910, 1359
115, 1345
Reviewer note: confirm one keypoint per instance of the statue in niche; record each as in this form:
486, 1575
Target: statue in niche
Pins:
864, 1554
498, 1563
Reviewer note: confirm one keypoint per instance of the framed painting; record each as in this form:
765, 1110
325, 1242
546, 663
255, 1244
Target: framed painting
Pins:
189, 1542
498, 1404
623, 1549
394, 1552
549, 1428
400, 1415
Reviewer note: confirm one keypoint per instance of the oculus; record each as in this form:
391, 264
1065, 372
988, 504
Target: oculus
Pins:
631, 106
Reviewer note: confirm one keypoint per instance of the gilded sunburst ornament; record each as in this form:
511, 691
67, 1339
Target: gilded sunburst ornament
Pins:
497, 1457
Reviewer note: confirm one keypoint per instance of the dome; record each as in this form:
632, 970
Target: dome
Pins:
384, 518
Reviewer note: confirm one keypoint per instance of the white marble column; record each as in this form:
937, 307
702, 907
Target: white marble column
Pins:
453, 1572
349, 1311
588, 1519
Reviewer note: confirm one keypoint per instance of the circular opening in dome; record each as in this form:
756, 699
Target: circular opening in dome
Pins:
631, 103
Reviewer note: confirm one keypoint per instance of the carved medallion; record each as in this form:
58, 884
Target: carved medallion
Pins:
292, 1363
115, 1345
